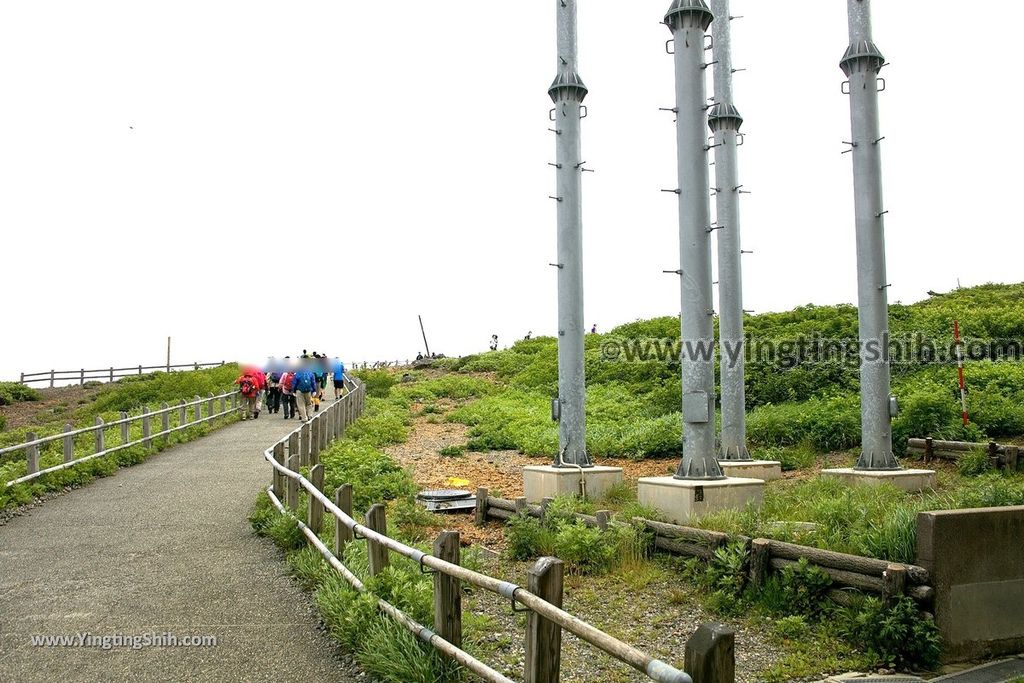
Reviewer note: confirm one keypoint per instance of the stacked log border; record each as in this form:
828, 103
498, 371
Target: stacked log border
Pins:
1002, 456
850, 574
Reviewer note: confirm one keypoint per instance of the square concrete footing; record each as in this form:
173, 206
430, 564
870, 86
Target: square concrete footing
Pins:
908, 480
540, 482
766, 470
682, 500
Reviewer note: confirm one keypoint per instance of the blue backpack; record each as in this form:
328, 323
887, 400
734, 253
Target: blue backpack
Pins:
304, 381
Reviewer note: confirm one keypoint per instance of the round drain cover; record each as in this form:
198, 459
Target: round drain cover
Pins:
443, 494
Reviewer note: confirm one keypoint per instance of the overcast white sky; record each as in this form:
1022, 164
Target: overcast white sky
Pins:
255, 177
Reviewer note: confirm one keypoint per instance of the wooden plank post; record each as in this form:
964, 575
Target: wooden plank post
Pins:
929, 449
125, 428
276, 478
711, 654
315, 509
81, 377
894, 583
147, 428
210, 405
543, 637
378, 554
1013, 458
993, 454
52, 373
521, 506
314, 441
544, 503
293, 444
98, 431
304, 444
481, 507
760, 556
291, 490
31, 455
223, 404
69, 444
448, 591
199, 408
342, 534
165, 420
182, 417
234, 400
603, 518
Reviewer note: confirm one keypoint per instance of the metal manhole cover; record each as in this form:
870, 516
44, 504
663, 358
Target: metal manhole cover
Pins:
443, 494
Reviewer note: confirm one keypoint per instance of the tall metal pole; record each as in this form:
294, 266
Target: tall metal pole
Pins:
688, 20
568, 92
168, 354
725, 121
424, 333
861, 64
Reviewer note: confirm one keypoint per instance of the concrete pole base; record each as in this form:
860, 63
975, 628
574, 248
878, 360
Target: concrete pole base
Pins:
680, 500
766, 470
911, 481
547, 481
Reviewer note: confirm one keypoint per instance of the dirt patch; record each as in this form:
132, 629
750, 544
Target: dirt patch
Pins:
54, 403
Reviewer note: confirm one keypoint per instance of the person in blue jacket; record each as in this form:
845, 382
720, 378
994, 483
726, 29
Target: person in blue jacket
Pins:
338, 376
304, 386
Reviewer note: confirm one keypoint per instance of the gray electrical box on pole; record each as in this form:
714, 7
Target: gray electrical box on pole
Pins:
861, 64
725, 121
688, 20
568, 92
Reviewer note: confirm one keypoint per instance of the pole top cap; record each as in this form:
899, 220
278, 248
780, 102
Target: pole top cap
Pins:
688, 13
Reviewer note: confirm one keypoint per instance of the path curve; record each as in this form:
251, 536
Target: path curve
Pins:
164, 546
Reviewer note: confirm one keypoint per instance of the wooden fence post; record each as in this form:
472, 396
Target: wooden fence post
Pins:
293, 444
1013, 458
315, 509
448, 591
521, 505
929, 449
31, 455
291, 490
199, 408
210, 407
711, 654
760, 556
378, 554
342, 534
99, 434
894, 583
603, 518
165, 420
147, 428
304, 443
543, 637
69, 444
314, 441
993, 454
52, 373
125, 428
223, 404
234, 400
81, 377
182, 417
276, 478
481, 507
111, 376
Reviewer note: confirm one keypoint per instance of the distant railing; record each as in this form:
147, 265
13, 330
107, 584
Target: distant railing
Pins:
31, 447
541, 599
105, 374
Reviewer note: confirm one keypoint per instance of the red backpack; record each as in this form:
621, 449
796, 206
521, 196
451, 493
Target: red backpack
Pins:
247, 385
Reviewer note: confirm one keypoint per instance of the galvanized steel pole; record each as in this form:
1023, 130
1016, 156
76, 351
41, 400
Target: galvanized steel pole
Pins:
568, 92
688, 20
725, 121
861, 64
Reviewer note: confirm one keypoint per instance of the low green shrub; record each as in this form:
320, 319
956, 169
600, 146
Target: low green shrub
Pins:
798, 589
378, 382
15, 392
897, 636
452, 451
792, 627
375, 477
973, 463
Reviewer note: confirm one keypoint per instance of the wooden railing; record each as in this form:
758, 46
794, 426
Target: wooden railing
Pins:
541, 598
186, 419
1002, 456
887, 580
106, 374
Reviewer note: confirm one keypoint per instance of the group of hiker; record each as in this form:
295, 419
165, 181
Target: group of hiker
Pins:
297, 386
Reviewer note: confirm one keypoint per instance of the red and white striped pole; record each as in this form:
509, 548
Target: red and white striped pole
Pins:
960, 370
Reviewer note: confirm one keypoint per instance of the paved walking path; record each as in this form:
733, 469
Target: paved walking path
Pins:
164, 546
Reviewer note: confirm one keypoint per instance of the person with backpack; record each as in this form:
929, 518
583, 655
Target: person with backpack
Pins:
304, 386
249, 387
287, 394
338, 377
273, 389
